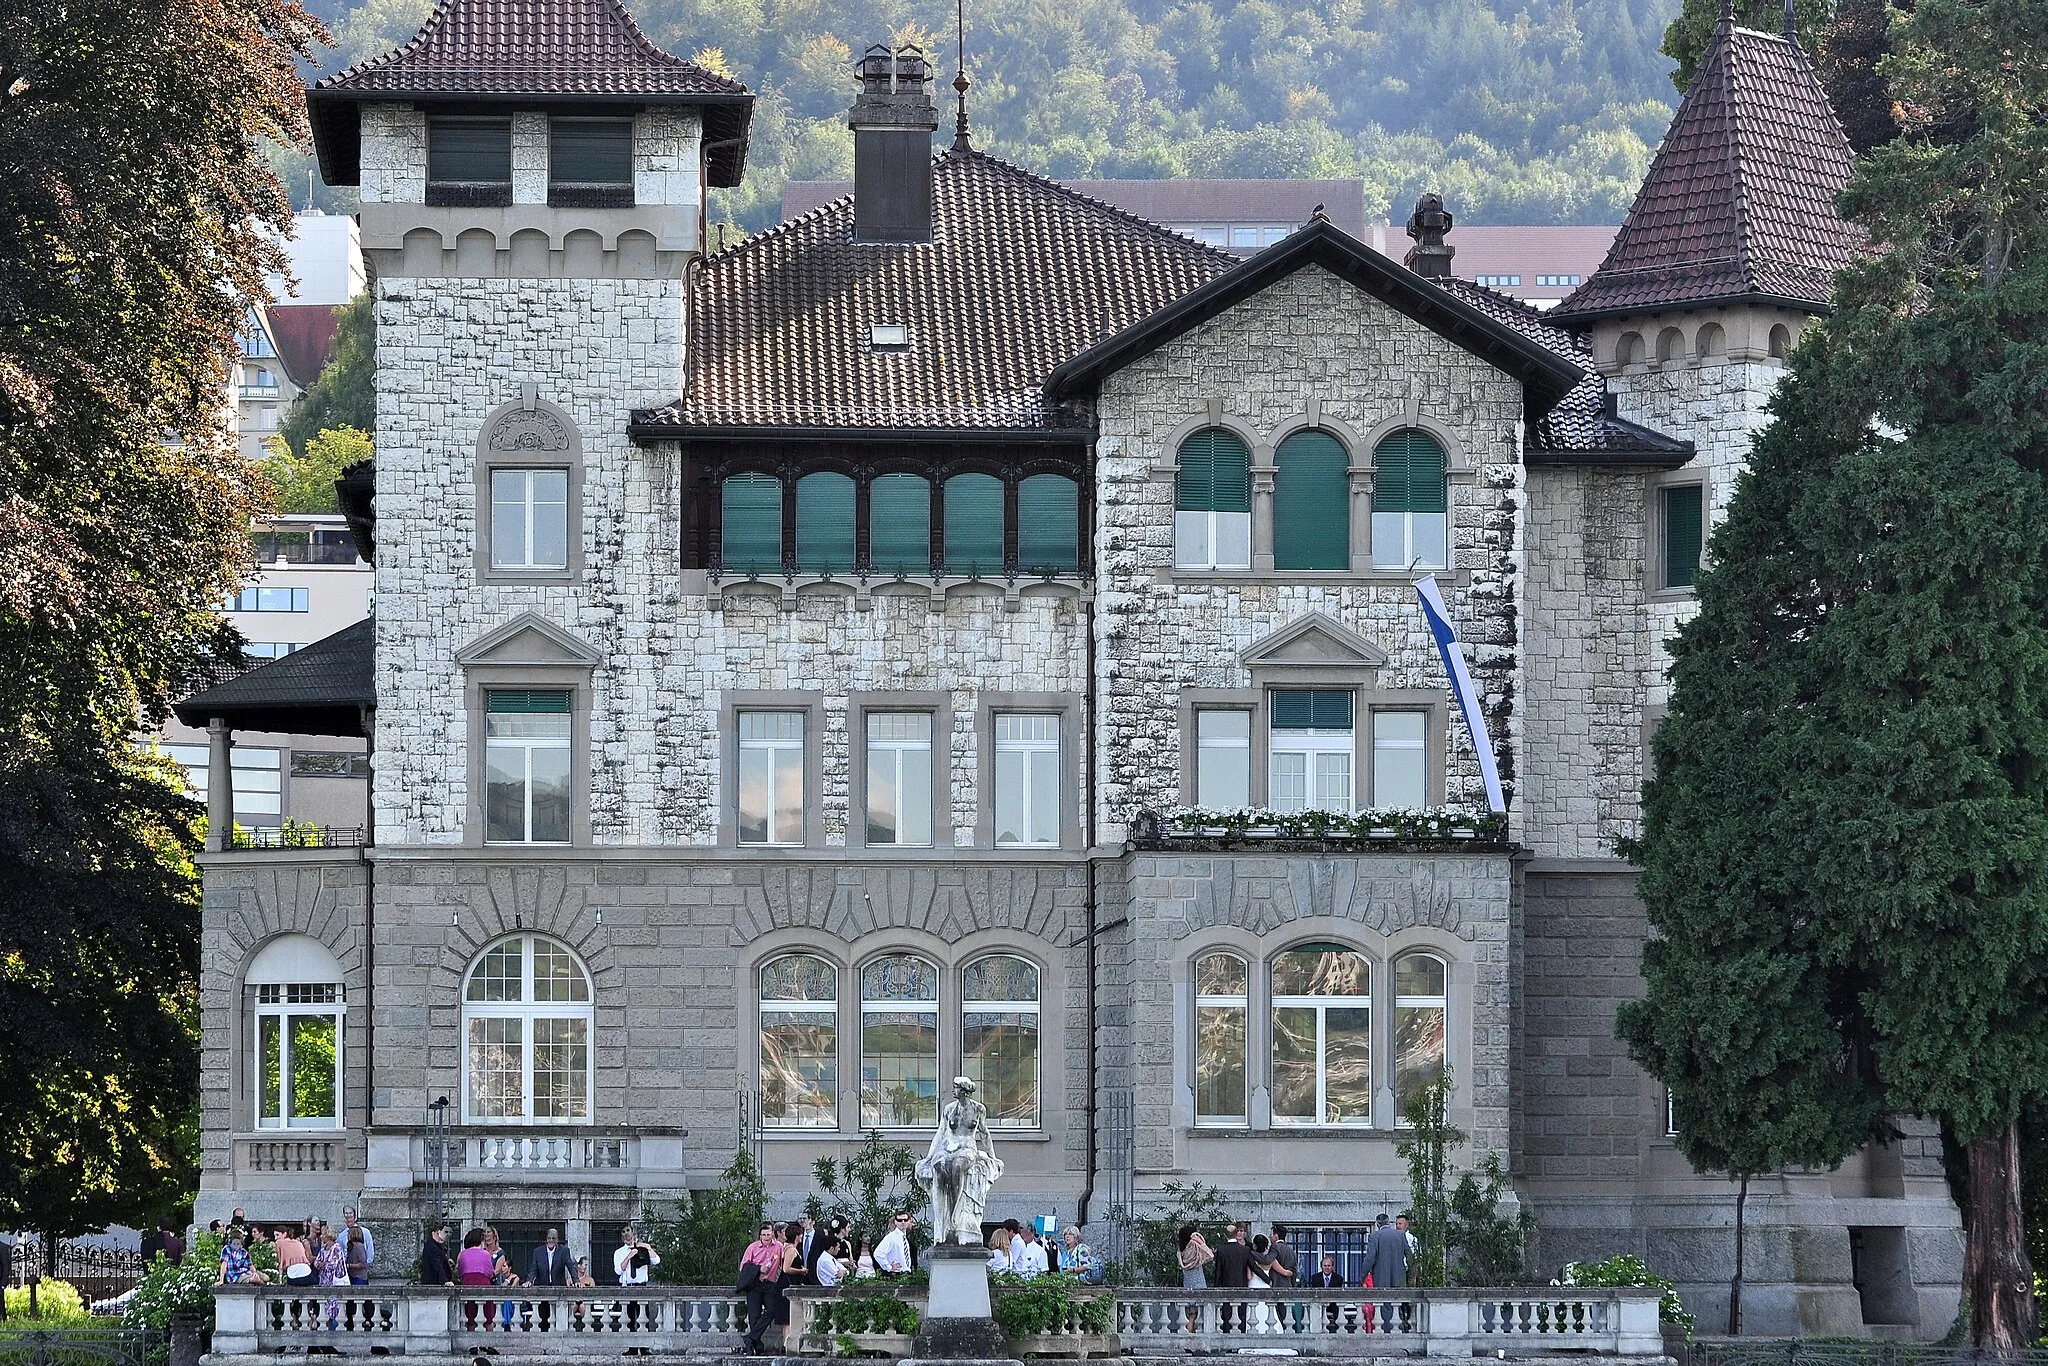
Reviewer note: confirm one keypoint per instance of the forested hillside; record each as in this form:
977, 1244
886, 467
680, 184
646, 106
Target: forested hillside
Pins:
1520, 111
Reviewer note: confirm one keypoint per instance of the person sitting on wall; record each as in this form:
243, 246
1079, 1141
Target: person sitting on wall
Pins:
235, 1266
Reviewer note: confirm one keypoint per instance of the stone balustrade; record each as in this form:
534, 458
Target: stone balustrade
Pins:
263, 1320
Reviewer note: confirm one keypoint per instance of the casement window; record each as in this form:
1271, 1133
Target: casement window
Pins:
899, 778
974, 524
298, 1055
1421, 1005
900, 524
1400, 760
469, 161
1681, 510
526, 1019
1027, 779
526, 766
999, 1037
529, 519
1312, 503
269, 600
1223, 758
1048, 524
750, 524
771, 777
1312, 748
1322, 1036
258, 776
590, 162
799, 1043
1410, 503
1212, 520
899, 1042
824, 523
1222, 1020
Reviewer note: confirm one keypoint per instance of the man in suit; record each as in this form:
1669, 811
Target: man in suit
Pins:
1233, 1272
1326, 1279
551, 1262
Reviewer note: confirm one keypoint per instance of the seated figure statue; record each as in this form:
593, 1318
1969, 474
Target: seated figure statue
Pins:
960, 1168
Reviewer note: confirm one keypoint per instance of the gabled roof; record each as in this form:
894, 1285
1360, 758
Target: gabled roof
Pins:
1548, 372
531, 52
304, 337
320, 690
1019, 276
1740, 200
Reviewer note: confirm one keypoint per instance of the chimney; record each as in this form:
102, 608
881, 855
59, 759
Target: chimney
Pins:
1430, 257
893, 119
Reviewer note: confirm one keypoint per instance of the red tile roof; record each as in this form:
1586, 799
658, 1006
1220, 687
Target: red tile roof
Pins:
304, 337
526, 50
1739, 202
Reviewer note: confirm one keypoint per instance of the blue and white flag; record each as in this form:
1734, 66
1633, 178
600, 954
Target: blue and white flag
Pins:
1461, 683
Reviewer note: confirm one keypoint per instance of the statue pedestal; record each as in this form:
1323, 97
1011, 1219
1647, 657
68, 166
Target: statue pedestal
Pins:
958, 1324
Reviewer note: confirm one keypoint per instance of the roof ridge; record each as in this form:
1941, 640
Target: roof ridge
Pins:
1724, 43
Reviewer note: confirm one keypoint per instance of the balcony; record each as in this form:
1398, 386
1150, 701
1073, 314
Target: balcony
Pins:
432, 1321
304, 547
259, 391
499, 1155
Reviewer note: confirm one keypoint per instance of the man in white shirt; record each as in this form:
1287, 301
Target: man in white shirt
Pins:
1027, 1254
634, 1259
892, 1256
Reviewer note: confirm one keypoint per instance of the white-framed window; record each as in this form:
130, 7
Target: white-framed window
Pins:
298, 1055
899, 1042
269, 600
771, 777
1322, 1036
1212, 519
1400, 760
1421, 1026
799, 1043
1311, 748
529, 519
999, 1037
526, 766
1222, 1034
1027, 779
1223, 758
526, 1019
899, 778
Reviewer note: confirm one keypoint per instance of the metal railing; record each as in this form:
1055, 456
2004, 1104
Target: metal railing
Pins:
298, 835
74, 1347
420, 1320
99, 1273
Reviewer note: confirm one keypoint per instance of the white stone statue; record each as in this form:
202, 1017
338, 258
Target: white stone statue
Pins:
960, 1168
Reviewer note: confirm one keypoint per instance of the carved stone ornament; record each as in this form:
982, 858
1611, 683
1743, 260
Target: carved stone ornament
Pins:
523, 429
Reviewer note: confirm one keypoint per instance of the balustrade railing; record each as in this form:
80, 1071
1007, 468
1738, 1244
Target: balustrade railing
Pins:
1390, 1322
461, 1319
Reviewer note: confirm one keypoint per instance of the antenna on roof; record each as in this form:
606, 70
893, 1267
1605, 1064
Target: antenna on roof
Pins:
960, 81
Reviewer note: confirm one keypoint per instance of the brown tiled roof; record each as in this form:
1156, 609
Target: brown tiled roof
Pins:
527, 50
1739, 202
1020, 275
304, 337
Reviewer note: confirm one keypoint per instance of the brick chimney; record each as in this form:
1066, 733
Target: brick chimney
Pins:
1430, 257
893, 119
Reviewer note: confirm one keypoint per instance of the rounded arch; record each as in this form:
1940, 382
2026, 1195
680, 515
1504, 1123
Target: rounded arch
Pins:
1312, 501
899, 1038
1710, 341
530, 426
1320, 420
1629, 349
1411, 523
298, 1033
1456, 457
1780, 341
1260, 448
1670, 345
292, 958
799, 1003
1001, 995
526, 1025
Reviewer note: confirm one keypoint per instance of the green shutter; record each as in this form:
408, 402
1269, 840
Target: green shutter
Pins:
467, 150
1408, 474
900, 524
974, 524
1321, 709
1048, 524
824, 524
1312, 503
1214, 473
590, 151
750, 538
526, 702
1683, 532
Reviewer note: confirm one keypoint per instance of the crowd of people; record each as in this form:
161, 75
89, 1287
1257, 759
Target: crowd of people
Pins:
312, 1252
1269, 1261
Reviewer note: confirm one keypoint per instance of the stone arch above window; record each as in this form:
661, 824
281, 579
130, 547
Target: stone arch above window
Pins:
799, 1042
899, 1041
1322, 998
999, 1036
1212, 519
1670, 345
1312, 502
298, 1013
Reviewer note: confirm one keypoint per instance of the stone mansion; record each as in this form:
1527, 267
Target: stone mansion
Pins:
809, 670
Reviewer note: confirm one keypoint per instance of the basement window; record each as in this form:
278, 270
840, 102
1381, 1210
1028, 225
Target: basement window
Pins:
888, 336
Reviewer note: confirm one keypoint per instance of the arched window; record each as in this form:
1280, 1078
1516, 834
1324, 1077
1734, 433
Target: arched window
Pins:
824, 523
526, 1034
1411, 523
1322, 1036
296, 1079
899, 1042
1420, 1016
1222, 1017
1629, 349
900, 524
750, 524
1781, 341
1670, 345
999, 1037
1711, 341
1312, 503
1048, 526
799, 1042
974, 524
1212, 519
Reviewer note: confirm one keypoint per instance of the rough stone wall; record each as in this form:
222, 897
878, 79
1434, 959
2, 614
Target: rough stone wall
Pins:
394, 154
665, 144
1308, 337
529, 158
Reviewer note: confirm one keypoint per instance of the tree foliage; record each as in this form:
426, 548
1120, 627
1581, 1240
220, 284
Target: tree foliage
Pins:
1843, 848
701, 1236
1846, 39
305, 483
132, 203
345, 392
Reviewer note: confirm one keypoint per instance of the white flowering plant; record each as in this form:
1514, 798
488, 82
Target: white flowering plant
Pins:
1626, 1269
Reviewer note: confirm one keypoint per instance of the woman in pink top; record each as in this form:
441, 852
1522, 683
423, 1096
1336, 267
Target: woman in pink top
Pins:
475, 1266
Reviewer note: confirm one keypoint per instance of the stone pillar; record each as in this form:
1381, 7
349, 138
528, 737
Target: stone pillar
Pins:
1262, 516
220, 786
234, 1316
1361, 513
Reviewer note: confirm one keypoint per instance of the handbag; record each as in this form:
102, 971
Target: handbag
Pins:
298, 1273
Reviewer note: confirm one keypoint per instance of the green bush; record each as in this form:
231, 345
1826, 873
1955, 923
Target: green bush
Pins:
1154, 1256
57, 1303
165, 1290
1044, 1304
1629, 1270
864, 1314
702, 1239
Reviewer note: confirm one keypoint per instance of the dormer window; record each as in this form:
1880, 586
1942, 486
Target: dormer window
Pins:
469, 161
590, 163
888, 336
